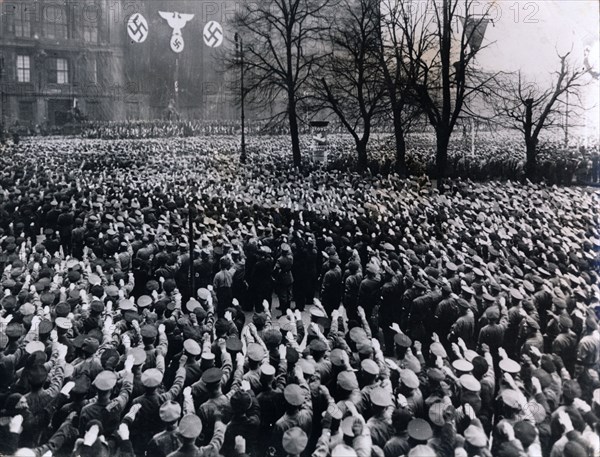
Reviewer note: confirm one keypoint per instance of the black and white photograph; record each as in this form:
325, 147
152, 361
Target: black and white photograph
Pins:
299, 228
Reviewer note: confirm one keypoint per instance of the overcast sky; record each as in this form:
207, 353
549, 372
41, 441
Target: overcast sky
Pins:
526, 33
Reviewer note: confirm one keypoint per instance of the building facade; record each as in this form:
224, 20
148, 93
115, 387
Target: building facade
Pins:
58, 54
153, 70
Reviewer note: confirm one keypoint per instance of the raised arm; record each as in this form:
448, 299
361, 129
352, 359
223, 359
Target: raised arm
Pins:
177, 384
119, 403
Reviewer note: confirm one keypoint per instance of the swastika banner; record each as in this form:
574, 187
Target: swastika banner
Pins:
137, 28
213, 34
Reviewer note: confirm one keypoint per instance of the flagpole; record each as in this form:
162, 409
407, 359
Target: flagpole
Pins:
191, 215
238, 40
177, 83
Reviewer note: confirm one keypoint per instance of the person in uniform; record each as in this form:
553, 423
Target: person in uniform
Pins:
245, 422
260, 279
104, 410
298, 411
148, 422
284, 278
331, 288
167, 441
190, 427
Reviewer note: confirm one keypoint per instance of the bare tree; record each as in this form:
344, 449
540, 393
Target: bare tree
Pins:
281, 51
524, 105
392, 52
352, 84
442, 42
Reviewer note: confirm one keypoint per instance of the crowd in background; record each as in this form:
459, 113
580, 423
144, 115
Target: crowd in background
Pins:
482, 156
164, 129
494, 155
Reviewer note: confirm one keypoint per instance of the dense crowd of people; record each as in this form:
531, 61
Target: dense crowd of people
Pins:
159, 298
495, 155
136, 129
486, 155
164, 129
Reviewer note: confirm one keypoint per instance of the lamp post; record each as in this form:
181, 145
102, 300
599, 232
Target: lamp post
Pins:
239, 48
1, 100
567, 122
176, 82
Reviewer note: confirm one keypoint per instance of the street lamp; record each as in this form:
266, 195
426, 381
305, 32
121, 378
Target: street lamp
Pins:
239, 49
1, 100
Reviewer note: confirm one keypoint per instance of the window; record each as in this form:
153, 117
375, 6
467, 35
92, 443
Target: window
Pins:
90, 32
62, 71
55, 22
26, 111
58, 71
90, 16
133, 110
93, 70
22, 22
93, 110
23, 69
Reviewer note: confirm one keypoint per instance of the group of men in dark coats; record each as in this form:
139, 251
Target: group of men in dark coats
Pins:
410, 322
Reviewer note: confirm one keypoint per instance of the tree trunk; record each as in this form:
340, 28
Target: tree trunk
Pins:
361, 149
293, 119
400, 145
441, 156
530, 141
531, 163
